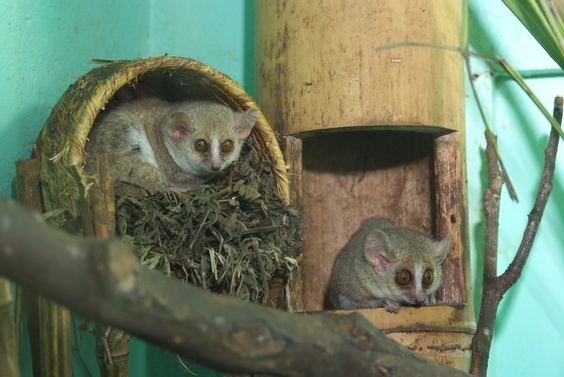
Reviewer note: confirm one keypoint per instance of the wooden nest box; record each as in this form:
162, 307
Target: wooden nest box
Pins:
377, 106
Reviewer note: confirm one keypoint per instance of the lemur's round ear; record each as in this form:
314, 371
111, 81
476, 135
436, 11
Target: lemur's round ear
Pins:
377, 250
440, 248
246, 123
179, 125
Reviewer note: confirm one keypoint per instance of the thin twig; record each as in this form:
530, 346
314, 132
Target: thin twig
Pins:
495, 287
513, 272
489, 134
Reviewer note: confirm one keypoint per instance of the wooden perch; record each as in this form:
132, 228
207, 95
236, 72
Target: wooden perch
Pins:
103, 280
494, 286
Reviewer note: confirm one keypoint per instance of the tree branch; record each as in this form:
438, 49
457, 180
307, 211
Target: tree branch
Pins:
104, 281
513, 272
495, 287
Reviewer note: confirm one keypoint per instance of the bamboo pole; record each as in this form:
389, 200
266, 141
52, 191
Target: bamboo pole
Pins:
112, 344
9, 363
375, 91
48, 323
292, 150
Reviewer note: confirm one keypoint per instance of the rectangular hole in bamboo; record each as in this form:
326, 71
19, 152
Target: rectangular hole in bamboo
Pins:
411, 178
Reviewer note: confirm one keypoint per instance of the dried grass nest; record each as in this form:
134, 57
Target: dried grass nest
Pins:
229, 236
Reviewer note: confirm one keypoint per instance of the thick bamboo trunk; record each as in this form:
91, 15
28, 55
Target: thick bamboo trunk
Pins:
379, 103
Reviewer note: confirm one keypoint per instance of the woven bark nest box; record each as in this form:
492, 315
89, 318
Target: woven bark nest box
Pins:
237, 229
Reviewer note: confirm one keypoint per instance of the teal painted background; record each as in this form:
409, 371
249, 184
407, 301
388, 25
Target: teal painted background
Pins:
46, 45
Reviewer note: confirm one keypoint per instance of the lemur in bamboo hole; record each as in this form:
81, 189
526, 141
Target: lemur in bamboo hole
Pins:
383, 265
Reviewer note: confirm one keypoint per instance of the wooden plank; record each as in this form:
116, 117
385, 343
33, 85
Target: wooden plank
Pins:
292, 151
450, 216
48, 323
9, 344
27, 184
112, 344
29, 195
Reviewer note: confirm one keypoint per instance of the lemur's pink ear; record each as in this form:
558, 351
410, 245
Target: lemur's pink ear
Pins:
246, 123
377, 251
179, 125
440, 248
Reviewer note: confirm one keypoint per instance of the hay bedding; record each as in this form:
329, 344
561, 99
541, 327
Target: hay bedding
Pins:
229, 236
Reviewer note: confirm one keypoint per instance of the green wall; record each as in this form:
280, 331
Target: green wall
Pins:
46, 45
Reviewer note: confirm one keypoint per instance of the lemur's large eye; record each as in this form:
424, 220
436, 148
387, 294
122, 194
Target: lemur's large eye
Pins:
227, 146
428, 277
200, 145
403, 277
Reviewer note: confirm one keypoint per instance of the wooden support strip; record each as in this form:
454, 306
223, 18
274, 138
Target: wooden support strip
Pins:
112, 344
29, 195
48, 323
292, 151
9, 360
449, 216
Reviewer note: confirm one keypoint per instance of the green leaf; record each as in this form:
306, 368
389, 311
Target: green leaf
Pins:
544, 20
247, 192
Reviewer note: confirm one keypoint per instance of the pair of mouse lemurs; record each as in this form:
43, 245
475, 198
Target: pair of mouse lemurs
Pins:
155, 146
